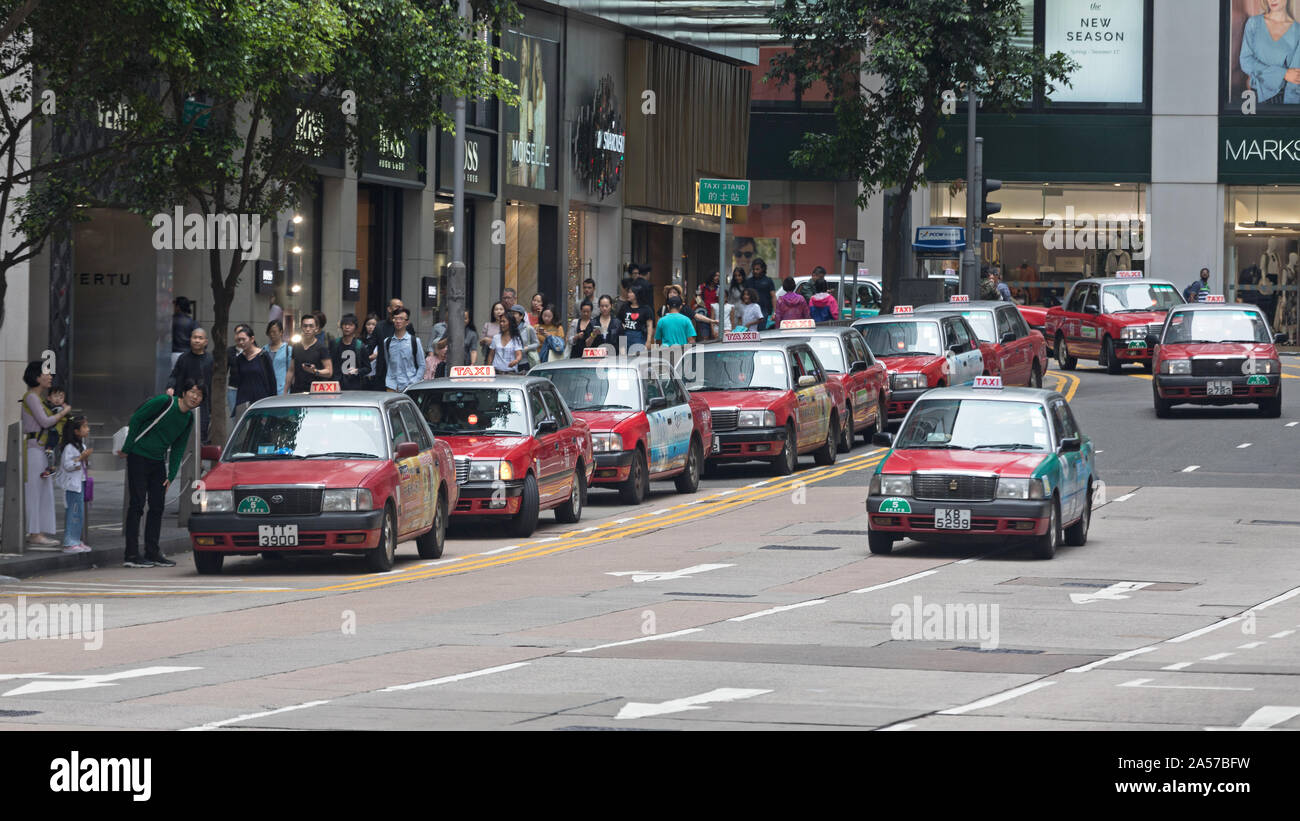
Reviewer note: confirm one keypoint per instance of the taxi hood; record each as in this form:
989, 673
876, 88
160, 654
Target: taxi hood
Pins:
1259, 350
744, 400
487, 447
908, 364
605, 420
333, 473
1012, 464
1139, 317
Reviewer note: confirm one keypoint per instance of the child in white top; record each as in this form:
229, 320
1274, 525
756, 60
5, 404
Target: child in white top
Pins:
71, 477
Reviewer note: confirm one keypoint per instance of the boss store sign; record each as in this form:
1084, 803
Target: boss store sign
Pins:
396, 160
480, 170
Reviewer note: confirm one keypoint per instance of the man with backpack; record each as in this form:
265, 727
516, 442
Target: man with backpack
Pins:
402, 354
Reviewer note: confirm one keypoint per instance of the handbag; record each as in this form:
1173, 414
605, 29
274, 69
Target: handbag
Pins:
88, 488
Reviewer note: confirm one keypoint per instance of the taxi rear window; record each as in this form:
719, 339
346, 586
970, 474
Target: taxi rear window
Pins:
309, 432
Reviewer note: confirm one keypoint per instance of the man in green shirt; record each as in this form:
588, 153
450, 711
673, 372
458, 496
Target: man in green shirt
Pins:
674, 329
158, 431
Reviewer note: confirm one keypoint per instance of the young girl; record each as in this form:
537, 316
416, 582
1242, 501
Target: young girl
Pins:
71, 477
550, 334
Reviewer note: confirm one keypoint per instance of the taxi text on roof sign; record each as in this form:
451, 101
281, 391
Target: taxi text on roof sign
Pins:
593, 353
902, 309
988, 382
790, 324
324, 387
740, 336
1214, 298
1128, 275
472, 372
959, 298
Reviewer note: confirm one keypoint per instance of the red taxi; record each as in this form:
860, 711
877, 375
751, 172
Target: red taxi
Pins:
1035, 317
1108, 320
518, 448
1011, 350
770, 400
326, 472
922, 351
644, 424
848, 361
1216, 354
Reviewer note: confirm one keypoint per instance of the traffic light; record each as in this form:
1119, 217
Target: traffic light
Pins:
989, 208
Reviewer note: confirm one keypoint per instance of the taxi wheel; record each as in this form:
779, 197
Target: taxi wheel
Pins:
1146, 365
846, 432
430, 545
380, 559
1271, 408
882, 421
634, 490
1163, 406
882, 544
1063, 357
571, 511
1113, 363
827, 453
789, 458
1044, 547
208, 563
525, 521
1076, 535
688, 481
1036, 376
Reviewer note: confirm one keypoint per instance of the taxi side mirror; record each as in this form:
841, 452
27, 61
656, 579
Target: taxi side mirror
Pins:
858, 367
1278, 339
1153, 340
1091, 309
883, 440
211, 453
807, 381
548, 426
656, 403
1072, 444
1008, 338
407, 450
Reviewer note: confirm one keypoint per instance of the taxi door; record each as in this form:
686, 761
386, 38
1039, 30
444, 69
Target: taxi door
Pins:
570, 439
659, 447
1016, 355
409, 475
428, 467
1090, 330
548, 452
966, 361
866, 389
1074, 466
814, 401
680, 421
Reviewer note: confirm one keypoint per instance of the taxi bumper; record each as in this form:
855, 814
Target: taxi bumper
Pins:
613, 468
748, 444
230, 532
900, 402
489, 498
1194, 389
1127, 354
1003, 517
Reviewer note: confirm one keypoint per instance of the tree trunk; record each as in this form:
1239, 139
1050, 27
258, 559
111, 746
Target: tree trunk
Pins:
221, 299
892, 249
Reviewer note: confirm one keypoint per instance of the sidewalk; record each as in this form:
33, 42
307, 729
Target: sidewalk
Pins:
103, 532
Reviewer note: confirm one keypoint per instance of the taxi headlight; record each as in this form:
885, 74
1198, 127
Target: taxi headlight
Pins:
506, 471
483, 470
1176, 367
873, 489
1253, 366
756, 419
1135, 332
340, 501
909, 381
1019, 488
216, 501
895, 484
606, 442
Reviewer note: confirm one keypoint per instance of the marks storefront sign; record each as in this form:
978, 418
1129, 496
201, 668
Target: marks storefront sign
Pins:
1262, 153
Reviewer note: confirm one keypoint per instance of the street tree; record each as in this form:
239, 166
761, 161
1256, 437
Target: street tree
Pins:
886, 65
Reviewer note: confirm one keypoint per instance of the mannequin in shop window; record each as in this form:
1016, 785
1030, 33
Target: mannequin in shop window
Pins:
1270, 268
1284, 317
1117, 259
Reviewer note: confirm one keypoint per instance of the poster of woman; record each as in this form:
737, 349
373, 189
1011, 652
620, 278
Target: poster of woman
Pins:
1263, 53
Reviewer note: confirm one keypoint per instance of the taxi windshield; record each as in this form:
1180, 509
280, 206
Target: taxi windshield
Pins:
723, 370
903, 338
829, 352
309, 432
1138, 296
597, 388
473, 411
974, 424
1217, 326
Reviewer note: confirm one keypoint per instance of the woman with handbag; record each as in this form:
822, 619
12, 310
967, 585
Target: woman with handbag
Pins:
38, 421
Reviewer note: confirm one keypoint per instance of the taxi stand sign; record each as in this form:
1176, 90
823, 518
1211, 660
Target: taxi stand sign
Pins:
325, 387
792, 324
903, 310
994, 382
472, 372
1128, 275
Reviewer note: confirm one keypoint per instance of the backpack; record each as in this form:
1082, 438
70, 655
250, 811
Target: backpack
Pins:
819, 312
44, 436
416, 358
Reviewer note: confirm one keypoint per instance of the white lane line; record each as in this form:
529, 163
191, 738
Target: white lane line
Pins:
998, 699
1125, 497
1281, 635
1202, 631
623, 521
1243, 446
638, 641
1145, 684
1276, 600
587, 530
440, 561
661, 512
1179, 666
498, 550
1127, 654
1292, 424
1101, 451
896, 728
215, 724
1216, 657
726, 493
781, 609
544, 541
449, 679
1191, 468
903, 580
1250, 645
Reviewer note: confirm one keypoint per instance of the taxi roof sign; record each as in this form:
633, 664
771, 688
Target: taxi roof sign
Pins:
472, 372
988, 382
1128, 275
902, 309
325, 387
791, 324
594, 353
1216, 298
741, 336
959, 298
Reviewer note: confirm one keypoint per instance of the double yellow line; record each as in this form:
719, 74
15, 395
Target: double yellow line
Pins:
1066, 379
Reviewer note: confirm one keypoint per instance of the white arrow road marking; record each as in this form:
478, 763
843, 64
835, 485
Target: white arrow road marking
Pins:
634, 709
1265, 718
46, 682
1113, 593
650, 576
1143, 682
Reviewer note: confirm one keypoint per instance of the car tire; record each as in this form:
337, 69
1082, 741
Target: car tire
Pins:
786, 463
1271, 408
1036, 376
571, 511
688, 481
1164, 407
846, 432
1113, 365
1076, 535
1044, 547
637, 486
524, 522
1063, 357
208, 562
827, 453
430, 545
1146, 365
272, 556
380, 559
882, 544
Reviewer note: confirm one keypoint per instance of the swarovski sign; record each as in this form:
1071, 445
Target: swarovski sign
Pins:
599, 141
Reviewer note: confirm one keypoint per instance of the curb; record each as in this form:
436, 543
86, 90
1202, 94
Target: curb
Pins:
37, 563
